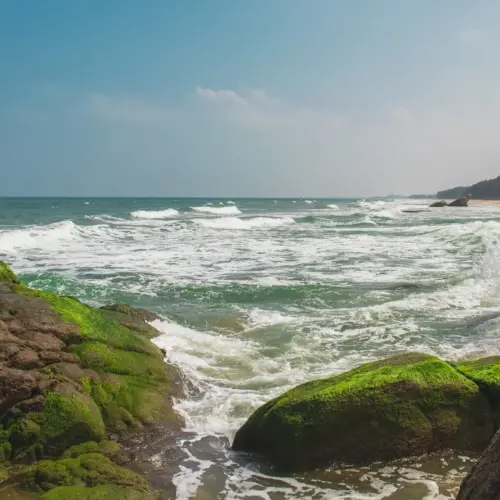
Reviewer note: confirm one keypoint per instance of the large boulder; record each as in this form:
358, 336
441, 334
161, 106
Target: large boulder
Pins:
441, 203
406, 405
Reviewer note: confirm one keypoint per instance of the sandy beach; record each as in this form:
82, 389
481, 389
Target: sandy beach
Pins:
484, 202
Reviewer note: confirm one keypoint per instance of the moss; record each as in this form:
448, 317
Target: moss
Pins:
94, 325
110, 449
485, 370
82, 449
485, 373
106, 492
24, 434
90, 469
4, 473
406, 405
127, 402
70, 420
7, 274
86, 385
132, 322
101, 357
5, 451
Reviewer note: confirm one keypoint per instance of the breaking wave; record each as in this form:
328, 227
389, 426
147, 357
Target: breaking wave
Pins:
231, 210
237, 223
154, 214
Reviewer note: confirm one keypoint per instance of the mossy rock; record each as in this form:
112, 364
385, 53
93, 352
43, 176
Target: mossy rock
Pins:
90, 469
135, 319
403, 406
110, 449
485, 373
7, 275
137, 325
106, 492
24, 435
129, 402
69, 419
103, 358
5, 451
93, 324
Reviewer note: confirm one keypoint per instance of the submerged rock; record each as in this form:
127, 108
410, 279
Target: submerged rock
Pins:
441, 203
406, 405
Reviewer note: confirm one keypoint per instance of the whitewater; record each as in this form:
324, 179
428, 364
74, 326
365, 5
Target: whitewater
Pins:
257, 296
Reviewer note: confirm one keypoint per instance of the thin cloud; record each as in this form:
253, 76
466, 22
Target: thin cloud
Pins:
473, 37
268, 146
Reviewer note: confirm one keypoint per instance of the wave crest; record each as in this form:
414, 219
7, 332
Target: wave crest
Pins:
231, 210
154, 214
16, 239
237, 223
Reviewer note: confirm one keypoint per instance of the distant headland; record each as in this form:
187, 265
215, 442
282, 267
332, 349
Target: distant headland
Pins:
484, 190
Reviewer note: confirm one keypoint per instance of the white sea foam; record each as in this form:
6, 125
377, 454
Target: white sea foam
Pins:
238, 223
154, 214
383, 214
230, 210
35, 236
332, 206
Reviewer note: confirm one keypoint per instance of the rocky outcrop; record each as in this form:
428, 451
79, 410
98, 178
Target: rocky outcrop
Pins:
463, 201
439, 204
403, 406
71, 374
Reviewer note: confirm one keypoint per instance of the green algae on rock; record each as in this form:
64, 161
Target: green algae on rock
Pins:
70, 375
485, 372
90, 469
402, 406
100, 493
7, 274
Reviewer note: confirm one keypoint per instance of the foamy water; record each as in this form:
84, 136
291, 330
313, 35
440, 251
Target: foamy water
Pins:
154, 214
258, 296
229, 210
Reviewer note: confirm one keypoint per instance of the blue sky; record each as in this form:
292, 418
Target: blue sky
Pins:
261, 98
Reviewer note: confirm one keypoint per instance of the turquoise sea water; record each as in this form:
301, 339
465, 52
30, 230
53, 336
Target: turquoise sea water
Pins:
260, 295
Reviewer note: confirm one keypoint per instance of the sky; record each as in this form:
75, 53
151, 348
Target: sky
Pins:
273, 98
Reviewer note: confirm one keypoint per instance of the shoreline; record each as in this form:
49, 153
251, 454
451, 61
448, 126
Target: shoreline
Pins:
478, 202
485, 202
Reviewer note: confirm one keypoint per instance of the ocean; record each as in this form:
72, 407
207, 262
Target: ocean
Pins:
259, 295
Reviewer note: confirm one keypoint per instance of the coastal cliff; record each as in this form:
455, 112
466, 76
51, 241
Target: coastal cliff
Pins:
75, 381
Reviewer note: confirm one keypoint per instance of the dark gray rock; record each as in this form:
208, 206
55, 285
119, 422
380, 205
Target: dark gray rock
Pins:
461, 202
483, 481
